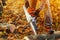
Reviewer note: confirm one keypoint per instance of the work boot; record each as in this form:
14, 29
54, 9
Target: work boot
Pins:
49, 30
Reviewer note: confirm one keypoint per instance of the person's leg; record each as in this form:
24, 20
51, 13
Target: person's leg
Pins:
32, 3
34, 22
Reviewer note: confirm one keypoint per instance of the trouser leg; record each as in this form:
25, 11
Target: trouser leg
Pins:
34, 22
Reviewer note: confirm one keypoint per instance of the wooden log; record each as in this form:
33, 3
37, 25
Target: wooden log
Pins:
54, 36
